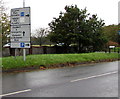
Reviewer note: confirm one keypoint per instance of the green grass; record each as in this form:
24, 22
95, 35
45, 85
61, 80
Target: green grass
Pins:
49, 59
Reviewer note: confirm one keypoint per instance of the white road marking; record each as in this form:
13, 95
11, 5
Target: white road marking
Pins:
95, 76
17, 92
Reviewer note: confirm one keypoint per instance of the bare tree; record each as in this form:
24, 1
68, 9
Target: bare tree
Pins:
40, 34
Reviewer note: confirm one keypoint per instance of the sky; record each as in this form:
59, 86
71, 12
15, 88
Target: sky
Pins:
43, 11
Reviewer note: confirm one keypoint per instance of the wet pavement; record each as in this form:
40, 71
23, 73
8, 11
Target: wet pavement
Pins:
58, 82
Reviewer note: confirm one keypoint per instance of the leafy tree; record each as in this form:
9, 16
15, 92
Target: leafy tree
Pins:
111, 31
5, 28
4, 23
76, 27
97, 38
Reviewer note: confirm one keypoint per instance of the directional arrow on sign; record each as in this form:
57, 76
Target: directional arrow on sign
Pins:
22, 44
23, 33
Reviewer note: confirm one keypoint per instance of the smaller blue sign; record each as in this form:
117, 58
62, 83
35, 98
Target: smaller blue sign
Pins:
119, 32
22, 44
22, 14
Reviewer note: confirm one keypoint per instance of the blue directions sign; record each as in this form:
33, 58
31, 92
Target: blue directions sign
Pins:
22, 44
22, 14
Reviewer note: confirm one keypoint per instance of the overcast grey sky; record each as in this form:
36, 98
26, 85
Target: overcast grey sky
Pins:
43, 11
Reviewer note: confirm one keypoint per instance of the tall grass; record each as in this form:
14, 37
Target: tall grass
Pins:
48, 59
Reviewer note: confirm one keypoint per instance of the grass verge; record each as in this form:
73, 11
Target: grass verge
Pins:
35, 61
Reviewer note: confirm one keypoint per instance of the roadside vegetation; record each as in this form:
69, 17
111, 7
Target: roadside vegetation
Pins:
74, 26
116, 49
49, 60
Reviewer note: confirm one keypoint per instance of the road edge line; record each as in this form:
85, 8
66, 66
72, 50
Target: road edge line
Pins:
17, 92
95, 76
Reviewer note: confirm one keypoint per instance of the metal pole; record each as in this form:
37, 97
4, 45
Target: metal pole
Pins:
23, 3
24, 51
24, 54
15, 53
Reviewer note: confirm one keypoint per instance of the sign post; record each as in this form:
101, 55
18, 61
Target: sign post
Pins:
20, 29
23, 3
24, 54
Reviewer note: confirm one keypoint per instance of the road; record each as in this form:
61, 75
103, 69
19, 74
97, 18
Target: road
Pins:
93, 80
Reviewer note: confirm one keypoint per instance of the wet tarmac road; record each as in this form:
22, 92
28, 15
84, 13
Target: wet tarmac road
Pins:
93, 80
